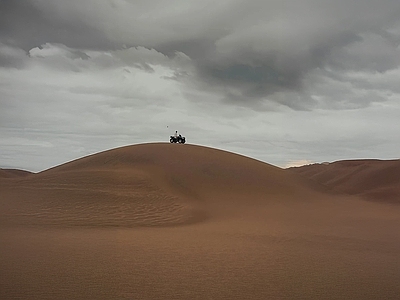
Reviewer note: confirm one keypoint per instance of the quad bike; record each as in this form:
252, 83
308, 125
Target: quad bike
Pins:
179, 139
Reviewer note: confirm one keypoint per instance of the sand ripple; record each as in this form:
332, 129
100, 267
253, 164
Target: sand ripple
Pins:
66, 203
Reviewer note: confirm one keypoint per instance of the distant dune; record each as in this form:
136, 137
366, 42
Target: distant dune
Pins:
377, 180
167, 221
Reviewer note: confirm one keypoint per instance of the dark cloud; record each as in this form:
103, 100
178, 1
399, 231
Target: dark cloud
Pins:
11, 57
371, 53
26, 25
247, 51
195, 48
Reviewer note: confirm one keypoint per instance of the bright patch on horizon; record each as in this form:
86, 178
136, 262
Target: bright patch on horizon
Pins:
298, 163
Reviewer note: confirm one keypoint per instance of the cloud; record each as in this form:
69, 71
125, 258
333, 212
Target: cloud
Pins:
276, 53
52, 50
31, 23
371, 53
248, 53
11, 57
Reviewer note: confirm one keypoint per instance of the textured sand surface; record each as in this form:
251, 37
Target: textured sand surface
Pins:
372, 179
162, 221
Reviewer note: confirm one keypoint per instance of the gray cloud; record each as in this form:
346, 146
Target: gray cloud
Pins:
260, 60
31, 23
371, 53
11, 57
248, 50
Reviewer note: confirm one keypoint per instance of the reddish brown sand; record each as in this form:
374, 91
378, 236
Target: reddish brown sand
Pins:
12, 173
372, 179
166, 221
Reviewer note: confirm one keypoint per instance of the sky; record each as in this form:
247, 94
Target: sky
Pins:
287, 82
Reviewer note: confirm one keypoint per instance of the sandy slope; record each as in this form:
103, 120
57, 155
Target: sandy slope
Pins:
146, 185
161, 221
377, 180
13, 173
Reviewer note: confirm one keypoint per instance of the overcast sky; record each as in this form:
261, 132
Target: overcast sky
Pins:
283, 81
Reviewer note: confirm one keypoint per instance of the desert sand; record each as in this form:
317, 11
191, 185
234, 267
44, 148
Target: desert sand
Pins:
167, 221
372, 179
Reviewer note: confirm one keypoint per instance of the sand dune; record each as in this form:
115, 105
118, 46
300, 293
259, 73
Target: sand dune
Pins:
12, 173
166, 221
377, 180
146, 185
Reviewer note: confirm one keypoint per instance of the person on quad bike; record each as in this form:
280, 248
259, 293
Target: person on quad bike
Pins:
177, 138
